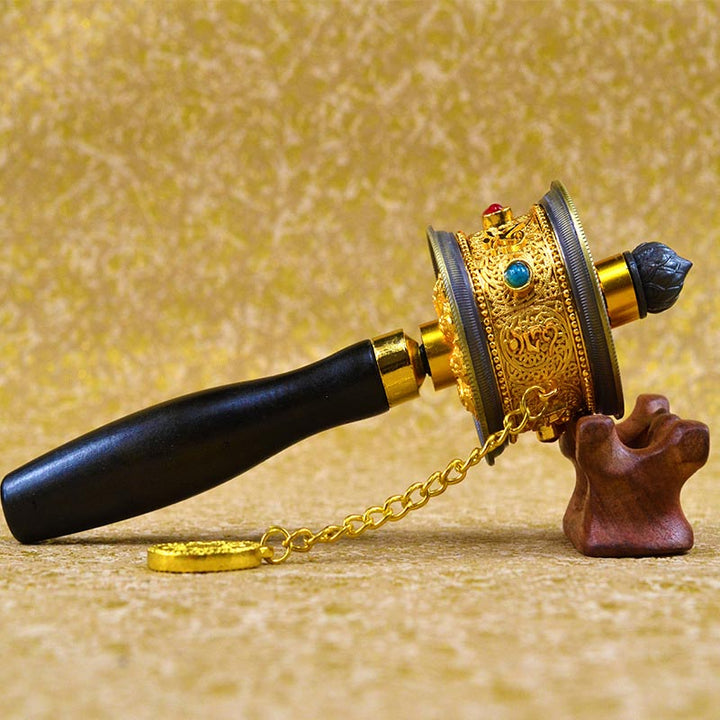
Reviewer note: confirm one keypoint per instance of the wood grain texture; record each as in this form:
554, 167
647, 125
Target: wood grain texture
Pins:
629, 475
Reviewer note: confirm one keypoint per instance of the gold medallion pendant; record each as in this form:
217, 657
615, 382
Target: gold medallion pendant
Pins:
205, 556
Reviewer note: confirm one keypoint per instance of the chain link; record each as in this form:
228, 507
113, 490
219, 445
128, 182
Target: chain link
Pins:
281, 543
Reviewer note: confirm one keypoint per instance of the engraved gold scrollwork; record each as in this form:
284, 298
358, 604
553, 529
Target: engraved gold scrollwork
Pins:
529, 339
533, 334
457, 364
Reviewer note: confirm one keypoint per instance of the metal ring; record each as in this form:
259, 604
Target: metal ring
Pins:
285, 534
585, 286
472, 340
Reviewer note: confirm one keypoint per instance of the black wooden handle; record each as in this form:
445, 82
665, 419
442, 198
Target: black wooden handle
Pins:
174, 450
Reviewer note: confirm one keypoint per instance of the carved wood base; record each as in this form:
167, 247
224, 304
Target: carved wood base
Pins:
629, 476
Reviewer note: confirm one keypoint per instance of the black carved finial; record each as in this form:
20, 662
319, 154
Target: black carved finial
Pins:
661, 272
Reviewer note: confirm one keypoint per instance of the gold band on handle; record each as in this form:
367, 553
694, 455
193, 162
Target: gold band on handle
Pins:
401, 369
618, 290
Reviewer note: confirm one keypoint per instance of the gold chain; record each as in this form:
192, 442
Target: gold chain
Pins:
416, 496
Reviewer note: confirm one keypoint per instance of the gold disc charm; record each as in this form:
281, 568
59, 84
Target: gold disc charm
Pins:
209, 556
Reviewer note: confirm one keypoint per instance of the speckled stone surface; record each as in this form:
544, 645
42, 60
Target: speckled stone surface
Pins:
196, 193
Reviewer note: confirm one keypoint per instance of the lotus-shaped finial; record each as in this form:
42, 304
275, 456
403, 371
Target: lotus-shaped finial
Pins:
662, 273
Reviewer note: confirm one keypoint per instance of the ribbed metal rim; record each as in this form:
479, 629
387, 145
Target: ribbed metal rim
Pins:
594, 320
450, 267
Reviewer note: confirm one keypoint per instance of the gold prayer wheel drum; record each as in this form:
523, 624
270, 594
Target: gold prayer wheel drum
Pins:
520, 303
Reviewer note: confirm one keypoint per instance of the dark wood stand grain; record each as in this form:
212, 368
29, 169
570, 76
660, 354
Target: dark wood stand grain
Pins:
629, 475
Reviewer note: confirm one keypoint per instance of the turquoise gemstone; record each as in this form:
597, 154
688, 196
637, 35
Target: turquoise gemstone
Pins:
517, 274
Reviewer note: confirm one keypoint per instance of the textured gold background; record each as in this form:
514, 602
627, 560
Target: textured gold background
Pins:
196, 193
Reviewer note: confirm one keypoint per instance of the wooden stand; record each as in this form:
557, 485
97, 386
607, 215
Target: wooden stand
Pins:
629, 475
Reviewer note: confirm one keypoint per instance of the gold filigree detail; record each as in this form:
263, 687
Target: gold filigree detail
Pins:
457, 364
533, 332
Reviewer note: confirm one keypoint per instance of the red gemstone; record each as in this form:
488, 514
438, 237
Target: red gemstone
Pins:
494, 208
